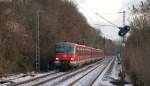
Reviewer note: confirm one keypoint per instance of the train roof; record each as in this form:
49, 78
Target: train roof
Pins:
74, 44
65, 43
70, 43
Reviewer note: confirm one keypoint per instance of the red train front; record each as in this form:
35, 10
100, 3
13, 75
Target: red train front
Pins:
65, 53
73, 55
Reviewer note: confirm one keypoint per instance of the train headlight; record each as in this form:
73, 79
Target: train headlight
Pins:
72, 59
57, 58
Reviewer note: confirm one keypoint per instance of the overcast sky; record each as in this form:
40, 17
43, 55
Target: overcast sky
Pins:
109, 9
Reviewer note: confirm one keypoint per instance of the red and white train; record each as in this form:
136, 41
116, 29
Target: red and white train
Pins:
74, 55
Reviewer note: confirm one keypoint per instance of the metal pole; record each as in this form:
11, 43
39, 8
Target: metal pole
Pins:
123, 41
122, 50
104, 47
124, 16
37, 63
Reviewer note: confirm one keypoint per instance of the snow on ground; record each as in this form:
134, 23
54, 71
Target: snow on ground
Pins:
20, 77
100, 81
66, 82
42, 79
110, 73
28, 77
70, 80
87, 80
110, 76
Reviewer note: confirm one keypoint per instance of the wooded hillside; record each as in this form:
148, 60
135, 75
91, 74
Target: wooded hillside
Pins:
59, 20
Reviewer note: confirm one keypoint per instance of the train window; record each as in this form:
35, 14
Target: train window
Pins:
78, 51
70, 49
60, 49
81, 52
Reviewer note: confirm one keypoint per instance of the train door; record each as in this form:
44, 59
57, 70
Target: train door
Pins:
78, 54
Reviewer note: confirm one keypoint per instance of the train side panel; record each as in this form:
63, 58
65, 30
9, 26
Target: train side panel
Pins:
83, 55
76, 55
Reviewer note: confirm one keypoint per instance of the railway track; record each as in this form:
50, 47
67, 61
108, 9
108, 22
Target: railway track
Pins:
70, 78
50, 76
12, 78
64, 76
102, 74
90, 77
59, 81
32, 79
77, 79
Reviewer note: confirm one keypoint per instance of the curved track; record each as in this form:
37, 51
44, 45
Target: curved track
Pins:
85, 76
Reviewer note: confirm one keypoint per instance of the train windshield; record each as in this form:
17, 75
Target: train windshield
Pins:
70, 49
67, 49
60, 49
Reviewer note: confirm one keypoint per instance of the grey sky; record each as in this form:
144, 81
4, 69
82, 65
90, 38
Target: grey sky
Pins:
109, 9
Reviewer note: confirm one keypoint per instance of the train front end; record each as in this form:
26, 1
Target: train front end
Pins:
65, 55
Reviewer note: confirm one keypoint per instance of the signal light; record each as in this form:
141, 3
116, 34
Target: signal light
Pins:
123, 30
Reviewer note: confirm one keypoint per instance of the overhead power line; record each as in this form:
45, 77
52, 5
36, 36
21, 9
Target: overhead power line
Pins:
83, 10
105, 25
107, 20
100, 16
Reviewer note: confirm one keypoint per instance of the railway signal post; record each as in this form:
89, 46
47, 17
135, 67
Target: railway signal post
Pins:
123, 31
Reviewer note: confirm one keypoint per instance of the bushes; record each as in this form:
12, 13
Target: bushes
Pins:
137, 54
137, 48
